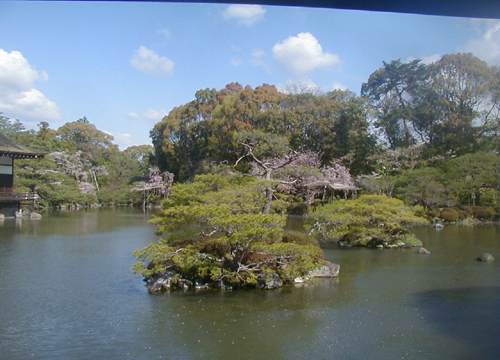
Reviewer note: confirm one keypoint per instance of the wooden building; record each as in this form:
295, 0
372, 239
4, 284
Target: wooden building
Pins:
328, 191
10, 201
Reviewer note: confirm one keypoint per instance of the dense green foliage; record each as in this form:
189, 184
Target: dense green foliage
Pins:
467, 180
213, 127
215, 231
451, 105
81, 167
362, 220
427, 134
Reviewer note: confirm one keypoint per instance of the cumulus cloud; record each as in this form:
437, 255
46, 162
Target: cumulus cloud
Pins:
244, 14
485, 45
18, 95
147, 61
149, 114
303, 53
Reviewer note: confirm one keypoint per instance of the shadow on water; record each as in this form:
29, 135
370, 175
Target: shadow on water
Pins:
470, 315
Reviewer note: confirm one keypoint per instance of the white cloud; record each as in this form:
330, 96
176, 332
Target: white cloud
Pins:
147, 61
426, 59
18, 95
244, 14
258, 57
339, 86
149, 114
302, 54
431, 59
486, 45
133, 115
165, 32
235, 62
257, 54
302, 87
123, 140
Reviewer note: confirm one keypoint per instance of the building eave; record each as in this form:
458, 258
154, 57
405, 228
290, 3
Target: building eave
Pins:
11, 149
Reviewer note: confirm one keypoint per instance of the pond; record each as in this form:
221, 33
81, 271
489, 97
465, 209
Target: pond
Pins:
67, 292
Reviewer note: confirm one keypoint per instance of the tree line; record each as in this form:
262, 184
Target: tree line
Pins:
83, 167
427, 134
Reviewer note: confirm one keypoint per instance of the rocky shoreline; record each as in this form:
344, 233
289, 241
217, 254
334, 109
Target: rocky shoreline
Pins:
170, 280
377, 243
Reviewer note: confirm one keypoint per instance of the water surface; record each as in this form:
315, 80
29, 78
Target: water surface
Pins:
67, 291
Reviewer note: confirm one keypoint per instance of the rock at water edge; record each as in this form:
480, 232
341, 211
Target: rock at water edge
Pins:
35, 216
486, 257
326, 271
159, 283
269, 282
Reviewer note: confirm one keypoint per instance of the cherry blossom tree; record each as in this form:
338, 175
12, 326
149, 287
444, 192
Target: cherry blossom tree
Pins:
79, 166
294, 172
158, 185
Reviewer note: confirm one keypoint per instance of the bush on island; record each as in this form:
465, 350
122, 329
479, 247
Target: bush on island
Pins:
370, 220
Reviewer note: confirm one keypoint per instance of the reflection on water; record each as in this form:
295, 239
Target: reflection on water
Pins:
71, 222
67, 291
468, 314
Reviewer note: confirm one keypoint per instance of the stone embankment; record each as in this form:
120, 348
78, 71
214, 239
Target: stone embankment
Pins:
23, 215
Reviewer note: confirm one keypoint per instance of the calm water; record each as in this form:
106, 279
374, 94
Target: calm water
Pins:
67, 292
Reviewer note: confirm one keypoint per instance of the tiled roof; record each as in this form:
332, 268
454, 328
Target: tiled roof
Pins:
10, 148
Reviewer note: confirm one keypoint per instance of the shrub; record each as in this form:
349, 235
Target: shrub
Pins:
434, 213
480, 213
485, 213
369, 216
449, 214
461, 213
300, 238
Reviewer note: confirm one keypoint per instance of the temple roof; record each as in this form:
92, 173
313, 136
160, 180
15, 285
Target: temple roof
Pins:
16, 151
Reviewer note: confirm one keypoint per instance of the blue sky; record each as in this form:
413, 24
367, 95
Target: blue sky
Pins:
126, 65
